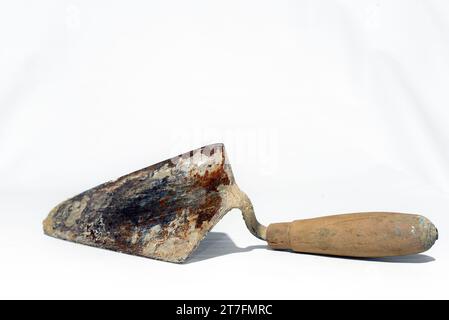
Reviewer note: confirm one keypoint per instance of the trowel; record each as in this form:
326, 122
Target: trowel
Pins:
164, 211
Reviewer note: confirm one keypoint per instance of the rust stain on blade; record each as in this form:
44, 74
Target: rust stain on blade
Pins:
159, 212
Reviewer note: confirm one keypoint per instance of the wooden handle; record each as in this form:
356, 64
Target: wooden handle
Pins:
370, 234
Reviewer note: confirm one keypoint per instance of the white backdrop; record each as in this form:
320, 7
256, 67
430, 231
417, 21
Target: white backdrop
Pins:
324, 107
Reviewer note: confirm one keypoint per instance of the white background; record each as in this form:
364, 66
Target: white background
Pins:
324, 106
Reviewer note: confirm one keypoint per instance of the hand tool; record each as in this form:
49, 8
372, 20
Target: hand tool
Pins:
165, 210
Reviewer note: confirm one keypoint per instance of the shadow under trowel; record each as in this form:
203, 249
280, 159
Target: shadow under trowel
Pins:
218, 244
414, 258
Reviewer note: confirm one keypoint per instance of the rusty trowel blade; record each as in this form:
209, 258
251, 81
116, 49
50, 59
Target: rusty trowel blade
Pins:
160, 212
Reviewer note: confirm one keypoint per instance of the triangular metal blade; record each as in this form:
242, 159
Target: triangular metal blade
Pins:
159, 212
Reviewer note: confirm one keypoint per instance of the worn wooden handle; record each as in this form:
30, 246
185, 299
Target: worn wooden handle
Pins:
370, 234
